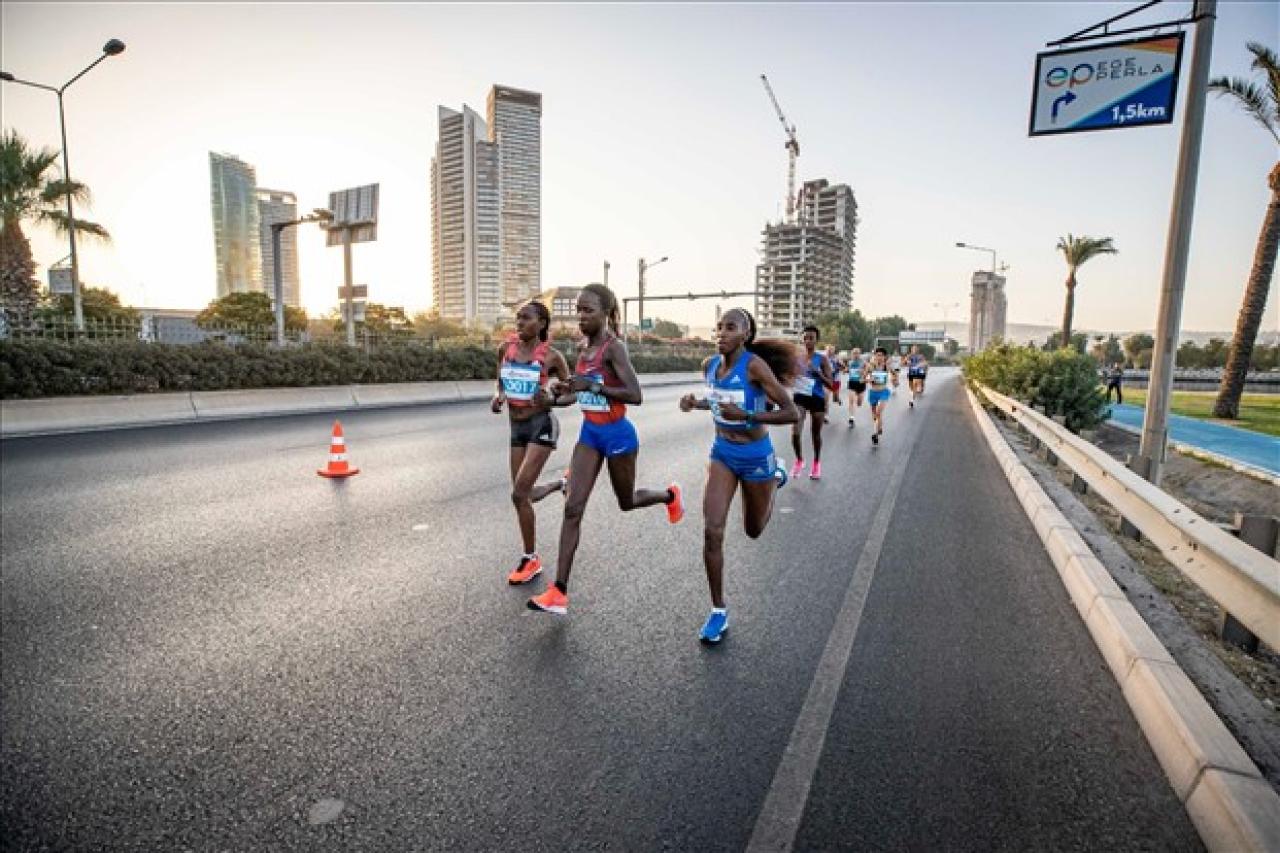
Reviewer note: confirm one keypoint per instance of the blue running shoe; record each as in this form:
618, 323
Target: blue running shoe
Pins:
713, 630
780, 474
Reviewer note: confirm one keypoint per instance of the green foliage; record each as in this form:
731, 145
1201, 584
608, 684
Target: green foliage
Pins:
48, 368
251, 310
1107, 351
1079, 340
666, 329
1060, 382
379, 319
429, 324
97, 303
848, 329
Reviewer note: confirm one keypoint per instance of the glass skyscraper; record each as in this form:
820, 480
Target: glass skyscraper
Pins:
279, 206
236, 235
515, 126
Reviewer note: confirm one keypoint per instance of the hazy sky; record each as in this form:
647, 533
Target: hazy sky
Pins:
658, 139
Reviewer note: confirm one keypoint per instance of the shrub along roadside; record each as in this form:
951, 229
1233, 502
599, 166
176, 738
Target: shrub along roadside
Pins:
1063, 382
45, 368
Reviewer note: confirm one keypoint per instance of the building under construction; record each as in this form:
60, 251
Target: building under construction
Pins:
806, 266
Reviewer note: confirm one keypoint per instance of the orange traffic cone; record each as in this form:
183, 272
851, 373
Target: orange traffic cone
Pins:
338, 467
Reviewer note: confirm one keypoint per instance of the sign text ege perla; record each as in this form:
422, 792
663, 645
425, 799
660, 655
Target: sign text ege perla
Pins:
1121, 84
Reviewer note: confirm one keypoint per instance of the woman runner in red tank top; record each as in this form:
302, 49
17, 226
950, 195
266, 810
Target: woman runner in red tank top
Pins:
602, 386
525, 363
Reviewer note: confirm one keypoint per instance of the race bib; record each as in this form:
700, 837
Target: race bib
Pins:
717, 396
879, 377
805, 385
520, 381
589, 402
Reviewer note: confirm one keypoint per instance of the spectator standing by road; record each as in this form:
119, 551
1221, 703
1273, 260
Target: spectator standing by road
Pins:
1114, 377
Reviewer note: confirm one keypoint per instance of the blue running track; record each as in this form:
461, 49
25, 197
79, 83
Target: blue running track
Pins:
1250, 448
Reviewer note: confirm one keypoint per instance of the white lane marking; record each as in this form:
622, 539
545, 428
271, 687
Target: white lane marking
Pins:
784, 803
420, 527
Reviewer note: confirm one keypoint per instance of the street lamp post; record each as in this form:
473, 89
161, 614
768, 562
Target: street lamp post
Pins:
980, 249
277, 279
606, 273
644, 267
945, 306
114, 47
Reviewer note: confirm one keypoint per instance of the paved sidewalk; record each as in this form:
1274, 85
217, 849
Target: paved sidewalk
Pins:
1254, 449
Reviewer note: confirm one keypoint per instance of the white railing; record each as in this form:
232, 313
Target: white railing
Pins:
1244, 581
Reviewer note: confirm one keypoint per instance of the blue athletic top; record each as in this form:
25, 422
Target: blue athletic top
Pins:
810, 383
734, 387
878, 376
913, 363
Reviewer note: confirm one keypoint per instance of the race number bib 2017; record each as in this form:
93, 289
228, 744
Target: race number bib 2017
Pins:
589, 402
805, 385
520, 381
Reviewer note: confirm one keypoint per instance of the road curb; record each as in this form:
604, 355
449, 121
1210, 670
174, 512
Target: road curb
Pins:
62, 415
1232, 806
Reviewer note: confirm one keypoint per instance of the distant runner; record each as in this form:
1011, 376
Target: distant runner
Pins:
878, 375
742, 379
525, 362
812, 381
857, 386
917, 364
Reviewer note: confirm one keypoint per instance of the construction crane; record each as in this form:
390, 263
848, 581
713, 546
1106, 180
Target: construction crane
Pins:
793, 151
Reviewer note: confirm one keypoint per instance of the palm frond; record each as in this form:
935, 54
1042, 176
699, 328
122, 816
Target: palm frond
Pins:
57, 219
1078, 250
55, 192
1250, 97
1265, 60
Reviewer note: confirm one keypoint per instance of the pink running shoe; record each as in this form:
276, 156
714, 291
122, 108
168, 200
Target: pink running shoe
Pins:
797, 468
816, 473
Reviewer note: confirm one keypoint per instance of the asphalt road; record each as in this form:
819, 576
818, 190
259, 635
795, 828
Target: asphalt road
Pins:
206, 646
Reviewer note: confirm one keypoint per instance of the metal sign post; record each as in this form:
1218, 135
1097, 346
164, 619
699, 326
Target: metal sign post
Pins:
1160, 387
355, 220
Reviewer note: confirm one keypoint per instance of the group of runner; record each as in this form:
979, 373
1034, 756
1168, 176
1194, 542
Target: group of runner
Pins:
751, 385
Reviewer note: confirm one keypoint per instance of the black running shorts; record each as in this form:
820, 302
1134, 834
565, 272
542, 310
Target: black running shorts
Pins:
811, 402
542, 428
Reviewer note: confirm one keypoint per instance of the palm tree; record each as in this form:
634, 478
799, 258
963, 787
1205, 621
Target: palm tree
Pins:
27, 192
1078, 250
1263, 103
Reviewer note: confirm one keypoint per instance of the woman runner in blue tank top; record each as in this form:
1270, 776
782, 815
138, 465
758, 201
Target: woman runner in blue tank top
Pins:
742, 379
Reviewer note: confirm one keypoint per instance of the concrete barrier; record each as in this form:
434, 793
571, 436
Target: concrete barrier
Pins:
35, 417
405, 394
1231, 805
20, 418
211, 405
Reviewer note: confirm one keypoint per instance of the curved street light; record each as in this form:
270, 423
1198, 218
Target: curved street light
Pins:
114, 47
980, 249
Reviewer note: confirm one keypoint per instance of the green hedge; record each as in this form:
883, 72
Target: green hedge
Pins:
45, 368
1062, 382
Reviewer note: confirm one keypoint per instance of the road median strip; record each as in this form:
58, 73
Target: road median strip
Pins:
58, 415
1232, 806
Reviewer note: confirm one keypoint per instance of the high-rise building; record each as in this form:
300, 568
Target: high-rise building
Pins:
236, 234
806, 267
987, 306
279, 206
515, 126
465, 205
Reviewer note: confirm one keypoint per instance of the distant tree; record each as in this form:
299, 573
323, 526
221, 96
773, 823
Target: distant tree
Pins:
1107, 351
29, 192
379, 319
1077, 251
666, 329
1136, 343
1263, 103
951, 347
1189, 356
429, 324
250, 310
844, 329
98, 304
1079, 342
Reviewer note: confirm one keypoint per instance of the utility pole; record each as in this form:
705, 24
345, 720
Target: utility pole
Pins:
642, 266
1150, 459
350, 288
606, 273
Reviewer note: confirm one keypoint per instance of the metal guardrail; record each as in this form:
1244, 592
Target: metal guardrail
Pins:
1244, 581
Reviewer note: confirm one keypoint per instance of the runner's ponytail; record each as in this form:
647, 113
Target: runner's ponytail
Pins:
779, 355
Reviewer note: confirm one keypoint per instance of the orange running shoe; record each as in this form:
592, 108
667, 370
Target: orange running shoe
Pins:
675, 509
551, 601
529, 568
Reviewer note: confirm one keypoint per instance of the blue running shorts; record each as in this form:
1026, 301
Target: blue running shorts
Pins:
750, 463
614, 439
876, 397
